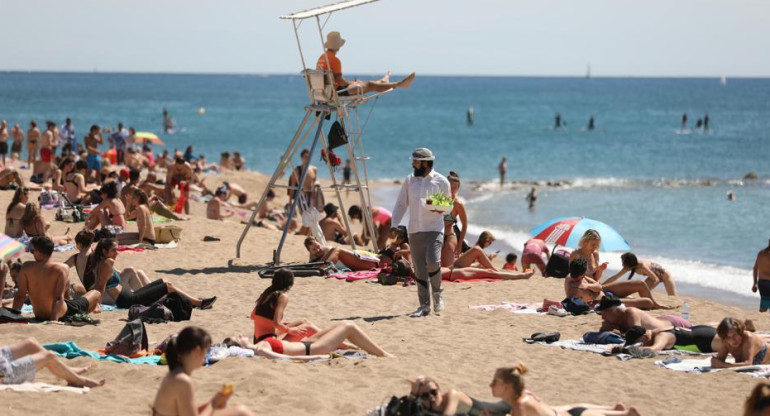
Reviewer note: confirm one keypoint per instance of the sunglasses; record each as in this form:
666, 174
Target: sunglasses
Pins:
427, 394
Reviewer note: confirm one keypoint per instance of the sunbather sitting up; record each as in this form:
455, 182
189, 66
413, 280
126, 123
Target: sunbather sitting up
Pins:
329, 61
186, 353
101, 268
476, 253
268, 312
580, 285
341, 257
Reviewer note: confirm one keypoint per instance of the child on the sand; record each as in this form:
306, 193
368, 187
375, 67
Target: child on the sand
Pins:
510, 262
186, 353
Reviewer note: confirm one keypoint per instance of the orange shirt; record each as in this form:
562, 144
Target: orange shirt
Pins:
333, 61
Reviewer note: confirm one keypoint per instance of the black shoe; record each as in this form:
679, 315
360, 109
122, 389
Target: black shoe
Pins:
207, 303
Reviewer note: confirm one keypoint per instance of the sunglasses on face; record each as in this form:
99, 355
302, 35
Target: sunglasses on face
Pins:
427, 394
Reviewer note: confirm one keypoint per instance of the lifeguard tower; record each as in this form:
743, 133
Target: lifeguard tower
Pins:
324, 104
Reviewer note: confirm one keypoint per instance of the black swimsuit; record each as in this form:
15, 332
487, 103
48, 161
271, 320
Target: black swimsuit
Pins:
700, 335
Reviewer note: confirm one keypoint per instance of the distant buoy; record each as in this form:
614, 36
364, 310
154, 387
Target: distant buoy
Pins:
201, 111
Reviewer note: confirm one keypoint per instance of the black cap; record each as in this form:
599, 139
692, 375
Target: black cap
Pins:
608, 301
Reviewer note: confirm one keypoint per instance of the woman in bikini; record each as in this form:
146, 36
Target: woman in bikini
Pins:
476, 254
452, 248
34, 225
588, 249
102, 275
748, 348
62, 171
186, 353
428, 392
398, 248
317, 346
110, 211
15, 212
135, 279
508, 385
655, 273
139, 210
454, 273
75, 183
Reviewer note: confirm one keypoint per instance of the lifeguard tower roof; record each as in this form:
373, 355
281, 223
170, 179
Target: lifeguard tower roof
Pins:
326, 9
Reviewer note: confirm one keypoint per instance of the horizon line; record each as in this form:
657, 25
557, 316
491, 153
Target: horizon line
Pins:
267, 74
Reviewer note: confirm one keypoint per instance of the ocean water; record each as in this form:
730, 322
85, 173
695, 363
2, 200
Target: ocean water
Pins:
664, 191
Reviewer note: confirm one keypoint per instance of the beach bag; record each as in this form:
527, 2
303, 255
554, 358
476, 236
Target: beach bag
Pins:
558, 265
131, 339
9, 315
167, 233
153, 314
576, 305
181, 309
48, 198
337, 136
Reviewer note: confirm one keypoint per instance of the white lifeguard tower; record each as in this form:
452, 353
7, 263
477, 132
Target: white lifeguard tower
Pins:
324, 103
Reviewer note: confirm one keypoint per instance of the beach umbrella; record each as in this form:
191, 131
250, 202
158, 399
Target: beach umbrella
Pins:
10, 247
566, 231
149, 137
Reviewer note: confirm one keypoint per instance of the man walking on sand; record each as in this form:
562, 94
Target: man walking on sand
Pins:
762, 278
426, 228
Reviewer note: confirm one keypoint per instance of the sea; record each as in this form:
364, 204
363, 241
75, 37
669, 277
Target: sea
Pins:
664, 188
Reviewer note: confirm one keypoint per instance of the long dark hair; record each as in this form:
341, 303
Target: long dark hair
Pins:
95, 258
629, 260
187, 340
283, 280
20, 192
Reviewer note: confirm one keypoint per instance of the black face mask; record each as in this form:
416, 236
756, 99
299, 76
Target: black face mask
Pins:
420, 171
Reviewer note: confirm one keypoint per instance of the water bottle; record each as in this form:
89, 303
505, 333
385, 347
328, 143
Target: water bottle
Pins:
686, 310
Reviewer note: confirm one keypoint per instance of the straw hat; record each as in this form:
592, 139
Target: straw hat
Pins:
334, 41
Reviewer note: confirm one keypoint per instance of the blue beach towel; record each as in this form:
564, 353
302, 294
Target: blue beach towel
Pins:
105, 308
70, 350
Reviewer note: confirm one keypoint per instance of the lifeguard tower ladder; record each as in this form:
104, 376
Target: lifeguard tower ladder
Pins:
324, 102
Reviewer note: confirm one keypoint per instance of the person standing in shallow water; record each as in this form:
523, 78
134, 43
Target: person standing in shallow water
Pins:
426, 228
762, 278
503, 169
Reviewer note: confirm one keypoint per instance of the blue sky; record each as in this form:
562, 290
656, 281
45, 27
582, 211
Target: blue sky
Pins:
538, 37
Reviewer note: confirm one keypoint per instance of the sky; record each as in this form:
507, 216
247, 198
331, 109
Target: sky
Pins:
682, 38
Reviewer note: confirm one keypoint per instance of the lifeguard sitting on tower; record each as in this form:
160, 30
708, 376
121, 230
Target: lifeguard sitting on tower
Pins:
344, 87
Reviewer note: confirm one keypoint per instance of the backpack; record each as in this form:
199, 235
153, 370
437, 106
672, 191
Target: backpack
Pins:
576, 305
558, 265
405, 406
181, 309
153, 314
131, 339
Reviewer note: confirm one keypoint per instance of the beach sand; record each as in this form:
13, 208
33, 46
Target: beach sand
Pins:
461, 348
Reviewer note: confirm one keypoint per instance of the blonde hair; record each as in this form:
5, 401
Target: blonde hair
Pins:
758, 400
513, 376
589, 235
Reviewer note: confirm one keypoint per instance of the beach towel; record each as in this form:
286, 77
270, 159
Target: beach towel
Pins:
42, 388
515, 307
71, 350
65, 247
156, 220
349, 354
352, 276
105, 308
606, 349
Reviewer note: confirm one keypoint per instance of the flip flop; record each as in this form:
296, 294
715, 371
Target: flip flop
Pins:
210, 238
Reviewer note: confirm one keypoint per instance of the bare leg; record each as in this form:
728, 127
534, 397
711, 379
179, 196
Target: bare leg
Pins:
134, 278
448, 250
668, 282
475, 254
330, 338
163, 210
476, 273
629, 287
94, 299
47, 359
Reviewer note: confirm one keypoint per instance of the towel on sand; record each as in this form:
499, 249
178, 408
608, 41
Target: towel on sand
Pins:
42, 387
352, 276
698, 366
515, 307
236, 351
604, 349
71, 350
105, 308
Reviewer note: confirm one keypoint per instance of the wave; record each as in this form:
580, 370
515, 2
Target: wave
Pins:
709, 275
612, 182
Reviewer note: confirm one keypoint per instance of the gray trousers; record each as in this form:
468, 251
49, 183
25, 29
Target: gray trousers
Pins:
426, 259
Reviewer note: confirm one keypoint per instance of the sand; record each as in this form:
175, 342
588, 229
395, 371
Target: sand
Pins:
461, 348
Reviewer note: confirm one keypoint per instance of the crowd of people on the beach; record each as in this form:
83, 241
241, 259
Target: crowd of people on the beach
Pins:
431, 248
